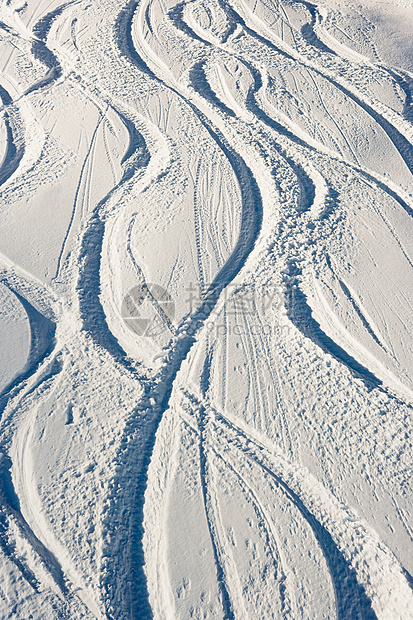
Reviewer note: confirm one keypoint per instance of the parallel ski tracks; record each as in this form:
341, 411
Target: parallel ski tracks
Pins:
238, 445
347, 596
236, 437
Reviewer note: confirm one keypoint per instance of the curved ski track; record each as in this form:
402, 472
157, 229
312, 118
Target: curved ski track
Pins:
253, 143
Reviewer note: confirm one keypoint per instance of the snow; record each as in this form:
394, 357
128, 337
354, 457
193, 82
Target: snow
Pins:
206, 326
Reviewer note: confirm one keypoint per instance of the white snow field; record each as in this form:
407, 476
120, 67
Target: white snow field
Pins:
206, 318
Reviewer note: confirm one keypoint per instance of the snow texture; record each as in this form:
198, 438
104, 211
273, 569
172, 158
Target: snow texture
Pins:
206, 322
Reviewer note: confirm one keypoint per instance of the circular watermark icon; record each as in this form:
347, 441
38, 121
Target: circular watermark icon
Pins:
148, 310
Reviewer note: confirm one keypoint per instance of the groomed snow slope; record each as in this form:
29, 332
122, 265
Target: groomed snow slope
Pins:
206, 332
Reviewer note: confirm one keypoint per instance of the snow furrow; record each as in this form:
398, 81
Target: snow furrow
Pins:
302, 316
375, 111
314, 189
230, 586
206, 262
334, 533
15, 143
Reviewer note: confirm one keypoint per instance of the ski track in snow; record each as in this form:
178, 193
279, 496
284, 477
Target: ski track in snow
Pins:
188, 159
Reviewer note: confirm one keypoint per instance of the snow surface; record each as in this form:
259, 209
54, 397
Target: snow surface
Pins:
206, 321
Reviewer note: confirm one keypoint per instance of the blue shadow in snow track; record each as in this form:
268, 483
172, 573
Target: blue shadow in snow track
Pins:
351, 599
251, 219
14, 145
352, 602
250, 227
300, 314
42, 344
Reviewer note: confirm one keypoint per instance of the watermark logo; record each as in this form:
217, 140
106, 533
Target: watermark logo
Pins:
148, 310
